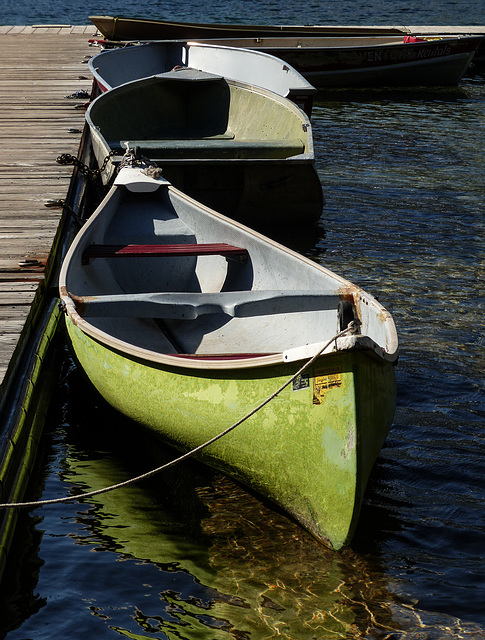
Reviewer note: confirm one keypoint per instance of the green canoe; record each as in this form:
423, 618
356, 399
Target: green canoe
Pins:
186, 321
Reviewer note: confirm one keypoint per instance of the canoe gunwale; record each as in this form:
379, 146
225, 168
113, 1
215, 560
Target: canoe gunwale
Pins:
317, 43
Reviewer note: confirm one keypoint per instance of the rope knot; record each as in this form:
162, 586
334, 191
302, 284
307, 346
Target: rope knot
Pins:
354, 326
153, 172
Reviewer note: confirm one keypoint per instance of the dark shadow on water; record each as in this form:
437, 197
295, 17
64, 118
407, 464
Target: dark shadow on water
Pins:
474, 79
402, 95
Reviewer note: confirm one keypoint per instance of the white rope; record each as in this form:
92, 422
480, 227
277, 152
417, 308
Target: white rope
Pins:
20, 505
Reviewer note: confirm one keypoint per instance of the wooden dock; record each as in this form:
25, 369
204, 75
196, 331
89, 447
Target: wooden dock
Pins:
39, 67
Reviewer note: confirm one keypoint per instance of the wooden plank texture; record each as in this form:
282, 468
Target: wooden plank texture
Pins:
39, 68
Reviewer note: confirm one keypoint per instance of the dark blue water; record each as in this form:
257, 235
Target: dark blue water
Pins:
398, 12
192, 555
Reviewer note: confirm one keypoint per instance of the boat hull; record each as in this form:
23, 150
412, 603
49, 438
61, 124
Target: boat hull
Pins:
125, 28
310, 450
368, 62
416, 64
258, 193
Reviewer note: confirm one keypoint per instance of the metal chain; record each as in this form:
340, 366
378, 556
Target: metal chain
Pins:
92, 174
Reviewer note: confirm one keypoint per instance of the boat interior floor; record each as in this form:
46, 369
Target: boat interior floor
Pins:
221, 333
181, 289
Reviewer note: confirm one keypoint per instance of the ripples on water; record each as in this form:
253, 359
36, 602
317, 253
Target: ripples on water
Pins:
406, 173
195, 556
252, 11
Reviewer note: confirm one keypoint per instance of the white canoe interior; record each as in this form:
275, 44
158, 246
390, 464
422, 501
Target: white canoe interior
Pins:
156, 273
188, 115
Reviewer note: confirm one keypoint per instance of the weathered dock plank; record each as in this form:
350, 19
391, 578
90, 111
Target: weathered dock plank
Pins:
39, 67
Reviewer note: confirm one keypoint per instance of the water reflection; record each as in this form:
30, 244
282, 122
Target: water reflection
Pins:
255, 572
202, 557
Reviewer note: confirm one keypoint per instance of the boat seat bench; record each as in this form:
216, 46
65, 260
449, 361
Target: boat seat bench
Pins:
189, 306
162, 250
216, 147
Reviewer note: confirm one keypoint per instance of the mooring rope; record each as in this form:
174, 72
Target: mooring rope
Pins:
351, 328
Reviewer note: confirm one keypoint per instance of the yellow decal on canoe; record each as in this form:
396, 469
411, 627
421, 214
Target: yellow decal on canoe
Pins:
324, 380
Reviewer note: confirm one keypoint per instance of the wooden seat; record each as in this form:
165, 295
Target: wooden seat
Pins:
161, 250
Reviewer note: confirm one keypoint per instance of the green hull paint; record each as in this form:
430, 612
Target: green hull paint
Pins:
311, 459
